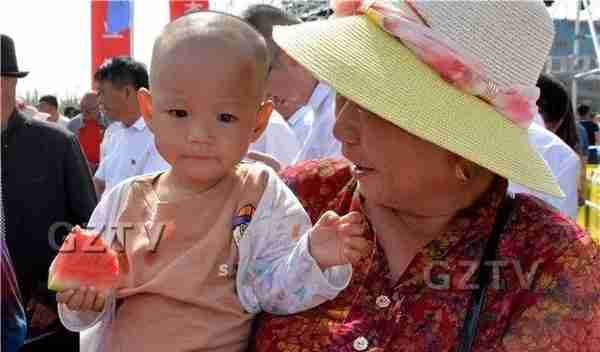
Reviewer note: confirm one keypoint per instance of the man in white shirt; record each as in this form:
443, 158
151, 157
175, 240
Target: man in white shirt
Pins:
564, 163
131, 150
306, 104
320, 142
278, 140
48, 104
107, 141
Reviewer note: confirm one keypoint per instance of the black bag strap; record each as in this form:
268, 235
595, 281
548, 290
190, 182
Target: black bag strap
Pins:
478, 298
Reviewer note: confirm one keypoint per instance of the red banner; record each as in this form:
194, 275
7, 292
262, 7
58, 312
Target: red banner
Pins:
179, 8
112, 30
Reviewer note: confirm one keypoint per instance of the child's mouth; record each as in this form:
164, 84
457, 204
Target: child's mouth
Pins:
199, 157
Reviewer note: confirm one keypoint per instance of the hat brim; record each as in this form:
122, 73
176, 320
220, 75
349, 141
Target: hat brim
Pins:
19, 74
376, 71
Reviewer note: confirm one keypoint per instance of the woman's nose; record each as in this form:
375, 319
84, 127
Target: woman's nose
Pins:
347, 124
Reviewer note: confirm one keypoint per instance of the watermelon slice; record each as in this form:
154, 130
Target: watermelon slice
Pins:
84, 260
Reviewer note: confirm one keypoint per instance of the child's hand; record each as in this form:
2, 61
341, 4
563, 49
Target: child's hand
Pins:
336, 240
82, 299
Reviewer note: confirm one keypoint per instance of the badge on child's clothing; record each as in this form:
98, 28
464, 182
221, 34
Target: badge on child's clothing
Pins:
241, 222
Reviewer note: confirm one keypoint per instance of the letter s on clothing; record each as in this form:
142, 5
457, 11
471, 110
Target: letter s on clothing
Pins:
223, 270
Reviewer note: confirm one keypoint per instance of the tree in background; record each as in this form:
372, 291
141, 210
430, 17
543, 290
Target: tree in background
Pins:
70, 100
33, 97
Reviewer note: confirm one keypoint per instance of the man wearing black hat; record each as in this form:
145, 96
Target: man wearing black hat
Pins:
46, 186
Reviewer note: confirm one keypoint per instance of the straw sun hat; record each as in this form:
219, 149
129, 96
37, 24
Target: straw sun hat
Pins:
363, 61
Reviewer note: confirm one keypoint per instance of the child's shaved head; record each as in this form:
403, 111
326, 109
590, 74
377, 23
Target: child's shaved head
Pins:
207, 99
203, 34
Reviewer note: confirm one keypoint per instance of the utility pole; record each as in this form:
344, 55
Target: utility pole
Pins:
584, 5
576, 53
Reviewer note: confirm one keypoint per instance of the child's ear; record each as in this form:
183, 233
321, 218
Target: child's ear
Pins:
262, 119
144, 98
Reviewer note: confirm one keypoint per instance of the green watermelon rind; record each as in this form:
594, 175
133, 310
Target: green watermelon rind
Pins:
57, 286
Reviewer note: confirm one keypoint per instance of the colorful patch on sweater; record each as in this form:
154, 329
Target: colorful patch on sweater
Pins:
241, 222
240, 225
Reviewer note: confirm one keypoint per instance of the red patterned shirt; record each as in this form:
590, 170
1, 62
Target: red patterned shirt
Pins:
545, 297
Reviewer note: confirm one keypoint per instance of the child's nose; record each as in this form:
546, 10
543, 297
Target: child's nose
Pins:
198, 134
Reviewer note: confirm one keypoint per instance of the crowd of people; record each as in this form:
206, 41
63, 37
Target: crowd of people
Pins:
390, 179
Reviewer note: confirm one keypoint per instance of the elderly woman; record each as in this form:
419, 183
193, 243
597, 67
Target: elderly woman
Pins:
434, 101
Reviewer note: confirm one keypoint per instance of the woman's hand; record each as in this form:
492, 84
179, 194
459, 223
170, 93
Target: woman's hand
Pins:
336, 240
82, 299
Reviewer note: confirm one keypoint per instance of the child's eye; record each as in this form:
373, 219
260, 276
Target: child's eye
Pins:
178, 113
228, 118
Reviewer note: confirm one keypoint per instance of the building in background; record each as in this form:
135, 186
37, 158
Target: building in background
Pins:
561, 61
307, 10
562, 64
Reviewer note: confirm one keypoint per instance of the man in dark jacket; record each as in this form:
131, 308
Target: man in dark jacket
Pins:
47, 187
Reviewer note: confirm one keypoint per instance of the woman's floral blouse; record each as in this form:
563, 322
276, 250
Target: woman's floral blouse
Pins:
545, 295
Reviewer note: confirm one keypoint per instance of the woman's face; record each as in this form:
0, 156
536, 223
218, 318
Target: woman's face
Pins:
393, 167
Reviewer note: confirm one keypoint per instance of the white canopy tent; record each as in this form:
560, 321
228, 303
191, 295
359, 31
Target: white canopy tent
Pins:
567, 9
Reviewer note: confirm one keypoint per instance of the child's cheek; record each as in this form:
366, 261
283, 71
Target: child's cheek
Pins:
166, 149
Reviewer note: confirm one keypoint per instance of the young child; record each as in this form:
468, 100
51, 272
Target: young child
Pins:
213, 241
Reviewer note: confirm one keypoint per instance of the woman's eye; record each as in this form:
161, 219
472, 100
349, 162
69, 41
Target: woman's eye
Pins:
224, 117
177, 113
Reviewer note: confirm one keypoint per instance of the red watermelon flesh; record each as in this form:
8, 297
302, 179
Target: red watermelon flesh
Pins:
84, 260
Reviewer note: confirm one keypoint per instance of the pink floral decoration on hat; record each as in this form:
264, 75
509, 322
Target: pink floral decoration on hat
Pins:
447, 59
516, 102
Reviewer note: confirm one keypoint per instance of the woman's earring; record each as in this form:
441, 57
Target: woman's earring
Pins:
461, 174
